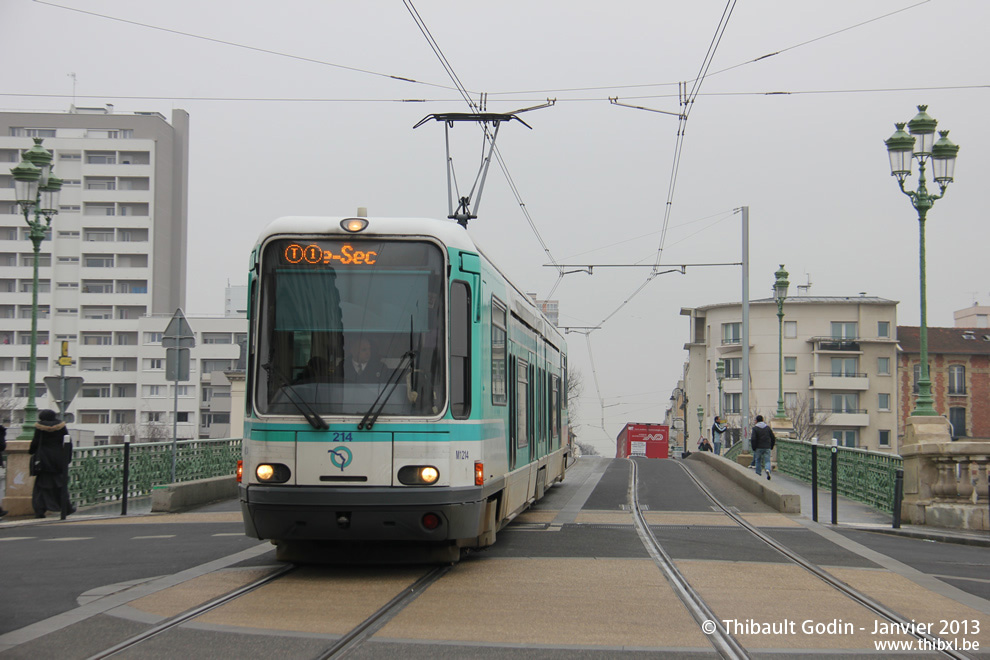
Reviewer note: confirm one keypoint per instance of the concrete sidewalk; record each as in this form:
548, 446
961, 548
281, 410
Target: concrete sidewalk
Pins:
852, 514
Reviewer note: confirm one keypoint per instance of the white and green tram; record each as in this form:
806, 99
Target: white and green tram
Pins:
400, 390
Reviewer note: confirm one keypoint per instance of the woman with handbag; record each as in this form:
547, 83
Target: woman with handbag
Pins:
51, 453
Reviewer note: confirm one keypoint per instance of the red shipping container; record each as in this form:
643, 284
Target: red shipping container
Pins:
649, 440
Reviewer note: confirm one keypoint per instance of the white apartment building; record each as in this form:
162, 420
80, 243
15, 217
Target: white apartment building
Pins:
839, 371
112, 273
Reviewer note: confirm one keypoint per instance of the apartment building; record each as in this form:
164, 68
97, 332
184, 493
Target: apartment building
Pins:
959, 369
112, 273
839, 366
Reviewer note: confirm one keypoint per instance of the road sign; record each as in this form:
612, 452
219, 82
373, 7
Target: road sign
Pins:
177, 330
65, 361
55, 389
177, 364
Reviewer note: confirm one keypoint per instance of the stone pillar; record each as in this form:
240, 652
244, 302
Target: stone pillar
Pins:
923, 436
17, 499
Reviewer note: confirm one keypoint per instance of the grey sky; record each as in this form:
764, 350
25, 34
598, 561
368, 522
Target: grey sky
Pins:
594, 177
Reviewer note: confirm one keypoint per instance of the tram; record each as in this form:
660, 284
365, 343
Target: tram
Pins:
399, 390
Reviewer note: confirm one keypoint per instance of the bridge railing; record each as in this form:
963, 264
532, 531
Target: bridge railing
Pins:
864, 476
96, 473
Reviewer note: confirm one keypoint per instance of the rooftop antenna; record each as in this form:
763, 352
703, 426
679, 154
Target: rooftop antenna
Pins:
73, 76
464, 211
805, 287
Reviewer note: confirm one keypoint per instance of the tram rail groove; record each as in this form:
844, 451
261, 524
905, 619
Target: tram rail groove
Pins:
360, 633
339, 649
177, 621
724, 643
871, 604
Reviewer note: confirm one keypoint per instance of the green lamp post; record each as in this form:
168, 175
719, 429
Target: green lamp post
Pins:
719, 377
701, 423
36, 190
902, 149
779, 295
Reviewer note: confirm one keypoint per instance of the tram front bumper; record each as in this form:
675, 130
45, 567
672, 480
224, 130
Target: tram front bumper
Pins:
361, 514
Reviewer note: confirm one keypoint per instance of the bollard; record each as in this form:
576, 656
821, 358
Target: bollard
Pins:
127, 477
898, 497
814, 479
835, 485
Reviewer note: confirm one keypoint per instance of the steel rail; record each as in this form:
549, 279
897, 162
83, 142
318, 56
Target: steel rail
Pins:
357, 636
869, 603
176, 621
725, 644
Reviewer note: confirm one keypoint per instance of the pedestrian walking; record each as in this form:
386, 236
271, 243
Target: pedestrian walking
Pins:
51, 453
762, 440
718, 429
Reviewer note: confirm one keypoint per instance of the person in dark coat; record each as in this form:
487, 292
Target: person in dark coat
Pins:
51, 452
762, 440
3, 448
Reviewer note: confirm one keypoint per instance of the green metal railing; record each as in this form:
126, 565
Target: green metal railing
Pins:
864, 476
96, 473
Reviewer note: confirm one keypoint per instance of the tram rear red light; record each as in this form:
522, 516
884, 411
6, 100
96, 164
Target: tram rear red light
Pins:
431, 521
479, 473
240, 471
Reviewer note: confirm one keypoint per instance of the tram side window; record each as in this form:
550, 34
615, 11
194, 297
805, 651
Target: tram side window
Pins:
499, 381
460, 350
522, 404
554, 412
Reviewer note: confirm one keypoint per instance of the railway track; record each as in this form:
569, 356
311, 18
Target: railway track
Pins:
723, 641
340, 648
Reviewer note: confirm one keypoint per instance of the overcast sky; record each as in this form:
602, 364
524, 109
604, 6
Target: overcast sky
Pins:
301, 113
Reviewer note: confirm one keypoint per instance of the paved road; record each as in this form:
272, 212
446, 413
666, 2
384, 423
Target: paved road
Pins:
570, 578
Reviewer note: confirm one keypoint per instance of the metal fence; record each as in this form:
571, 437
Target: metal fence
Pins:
864, 476
96, 475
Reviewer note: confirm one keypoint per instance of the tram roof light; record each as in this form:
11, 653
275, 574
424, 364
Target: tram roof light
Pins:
354, 225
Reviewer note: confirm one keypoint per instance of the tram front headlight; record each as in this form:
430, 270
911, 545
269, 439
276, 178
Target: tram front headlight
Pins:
418, 475
272, 473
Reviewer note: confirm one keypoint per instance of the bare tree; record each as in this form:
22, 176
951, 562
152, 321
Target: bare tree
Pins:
808, 421
8, 404
575, 386
156, 432
586, 449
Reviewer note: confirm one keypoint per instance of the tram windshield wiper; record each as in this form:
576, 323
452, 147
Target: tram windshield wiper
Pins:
290, 393
391, 382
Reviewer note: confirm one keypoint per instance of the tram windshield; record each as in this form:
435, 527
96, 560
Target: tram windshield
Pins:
350, 326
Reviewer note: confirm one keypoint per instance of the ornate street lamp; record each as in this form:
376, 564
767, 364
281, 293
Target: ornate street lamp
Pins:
719, 376
903, 148
780, 294
36, 189
701, 423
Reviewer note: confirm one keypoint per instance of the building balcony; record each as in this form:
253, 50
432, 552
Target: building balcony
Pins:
824, 380
838, 418
835, 345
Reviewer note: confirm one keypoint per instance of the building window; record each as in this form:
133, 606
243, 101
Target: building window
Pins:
94, 417
844, 366
152, 337
957, 379
733, 367
884, 438
154, 390
731, 333
957, 417
846, 437
843, 330
845, 403
790, 364
154, 363
883, 366
182, 417
790, 400
883, 401
733, 402
883, 329
790, 329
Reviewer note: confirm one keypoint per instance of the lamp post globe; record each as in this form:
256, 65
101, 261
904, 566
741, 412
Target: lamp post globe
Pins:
701, 422
921, 146
780, 286
37, 192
